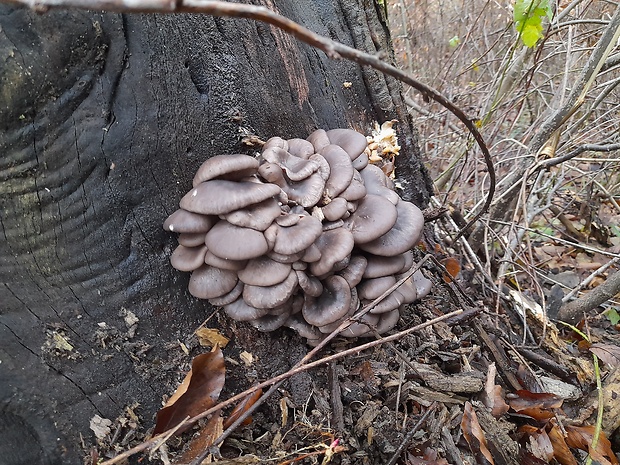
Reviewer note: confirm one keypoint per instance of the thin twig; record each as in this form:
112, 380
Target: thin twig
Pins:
405, 442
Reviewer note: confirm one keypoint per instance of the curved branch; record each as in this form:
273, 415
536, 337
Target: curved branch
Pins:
331, 48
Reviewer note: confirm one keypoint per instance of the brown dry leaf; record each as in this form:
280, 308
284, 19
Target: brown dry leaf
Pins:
532, 400
453, 267
580, 437
242, 407
561, 452
540, 445
493, 395
202, 440
473, 434
608, 353
206, 381
537, 413
209, 337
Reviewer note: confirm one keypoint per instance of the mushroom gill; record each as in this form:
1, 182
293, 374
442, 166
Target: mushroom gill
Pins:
301, 236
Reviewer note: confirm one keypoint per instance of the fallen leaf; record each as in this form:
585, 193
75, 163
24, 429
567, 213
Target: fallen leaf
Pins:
453, 267
531, 400
202, 440
580, 437
246, 358
493, 395
608, 353
208, 337
205, 382
561, 452
473, 434
242, 407
100, 426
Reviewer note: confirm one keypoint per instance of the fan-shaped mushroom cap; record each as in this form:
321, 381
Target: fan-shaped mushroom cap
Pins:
232, 265
408, 290
305, 330
362, 327
319, 139
271, 322
312, 254
391, 302
241, 311
300, 148
373, 217
341, 171
283, 258
217, 197
383, 266
331, 305
258, 216
276, 142
295, 168
360, 162
351, 141
335, 210
370, 289
296, 238
423, 285
228, 298
182, 221
306, 193
354, 271
188, 258
232, 167
356, 189
271, 296
377, 183
309, 284
355, 302
234, 243
334, 245
404, 234
388, 321
263, 271
192, 239
208, 282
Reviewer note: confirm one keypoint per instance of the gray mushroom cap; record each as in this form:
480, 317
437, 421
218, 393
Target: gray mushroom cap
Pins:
235, 243
257, 216
388, 321
295, 168
341, 171
319, 139
208, 282
362, 327
309, 284
232, 265
192, 239
335, 210
351, 141
404, 234
296, 238
271, 322
305, 330
383, 266
271, 296
232, 167
218, 197
182, 221
188, 258
331, 305
239, 310
334, 245
370, 289
373, 217
356, 189
301, 148
228, 298
263, 271
423, 284
355, 270
378, 183
306, 192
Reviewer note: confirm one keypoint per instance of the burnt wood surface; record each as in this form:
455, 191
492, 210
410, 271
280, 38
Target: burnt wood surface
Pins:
104, 119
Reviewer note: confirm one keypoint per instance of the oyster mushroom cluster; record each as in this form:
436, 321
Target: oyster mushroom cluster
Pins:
301, 237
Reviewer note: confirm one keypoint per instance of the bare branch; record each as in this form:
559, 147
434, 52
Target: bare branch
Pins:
572, 311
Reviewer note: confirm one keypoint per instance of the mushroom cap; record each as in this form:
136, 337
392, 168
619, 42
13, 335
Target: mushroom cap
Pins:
408, 290
218, 262
391, 302
351, 141
362, 327
218, 197
378, 183
309, 284
276, 142
388, 321
263, 271
334, 245
235, 243
341, 171
230, 167
271, 322
404, 234
182, 221
331, 305
319, 139
191, 239
257, 216
312, 254
355, 302
383, 266
356, 189
335, 210
188, 258
300, 148
370, 289
360, 162
228, 298
297, 323
355, 270
373, 217
306, 192
271, 296
297, 238
422, 284
239, 310
296, 168
283, 258
208, 282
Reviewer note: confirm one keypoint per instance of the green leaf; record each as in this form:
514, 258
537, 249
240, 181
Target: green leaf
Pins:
528, 16
612, 315
530, 35
454, 42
